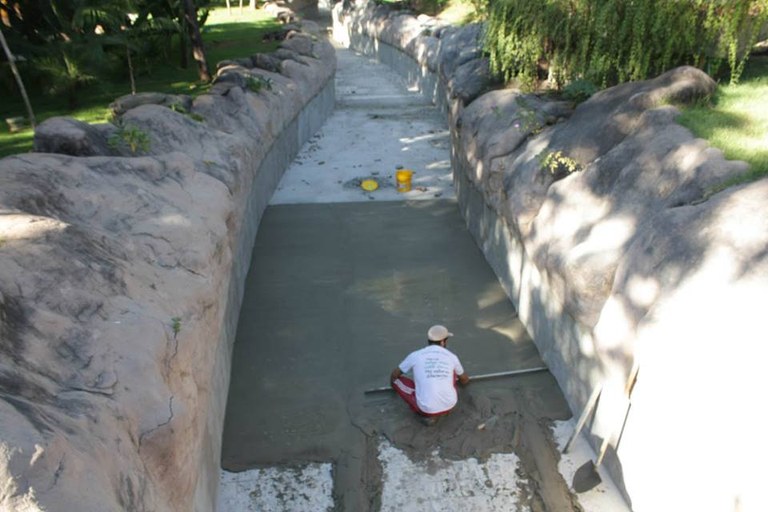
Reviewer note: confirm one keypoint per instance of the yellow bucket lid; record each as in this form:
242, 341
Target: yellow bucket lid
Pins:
369, 185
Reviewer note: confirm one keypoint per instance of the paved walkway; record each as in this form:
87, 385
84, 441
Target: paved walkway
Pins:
344, 283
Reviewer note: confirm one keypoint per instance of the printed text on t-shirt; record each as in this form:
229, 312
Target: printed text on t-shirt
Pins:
436, 368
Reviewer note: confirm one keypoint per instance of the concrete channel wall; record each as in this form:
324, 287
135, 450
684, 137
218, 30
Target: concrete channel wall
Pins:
614, 278
277, 159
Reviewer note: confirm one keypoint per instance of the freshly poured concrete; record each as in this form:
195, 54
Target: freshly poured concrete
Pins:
340, 290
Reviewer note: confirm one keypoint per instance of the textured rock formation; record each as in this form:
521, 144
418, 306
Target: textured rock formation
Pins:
117, 249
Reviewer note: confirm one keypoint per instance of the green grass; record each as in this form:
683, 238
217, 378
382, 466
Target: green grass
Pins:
736, 120
455, 12
460, 12
238, 35
226, 36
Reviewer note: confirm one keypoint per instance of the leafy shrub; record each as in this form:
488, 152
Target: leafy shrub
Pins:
257, 83
64, 75
558, 164
528, 120
177, 107
611, 41
579, 90
130, 136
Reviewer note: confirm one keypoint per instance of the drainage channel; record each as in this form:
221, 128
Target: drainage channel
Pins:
344, 283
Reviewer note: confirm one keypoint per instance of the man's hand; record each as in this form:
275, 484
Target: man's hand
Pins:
463, 379
396, 373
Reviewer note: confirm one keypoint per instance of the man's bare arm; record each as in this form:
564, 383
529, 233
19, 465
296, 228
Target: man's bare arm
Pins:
463, 379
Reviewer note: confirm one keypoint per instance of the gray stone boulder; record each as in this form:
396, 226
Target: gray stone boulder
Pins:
267, 62
310, 27
469, 80
425, 50
72, 137
620, 108
458, 45
246, 62
499, 123
400, 29
300, 44
288, 54
125, 103
233, 74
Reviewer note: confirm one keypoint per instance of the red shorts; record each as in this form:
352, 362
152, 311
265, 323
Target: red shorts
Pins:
406, 388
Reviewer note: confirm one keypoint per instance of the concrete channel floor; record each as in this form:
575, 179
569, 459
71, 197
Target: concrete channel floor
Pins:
343, 284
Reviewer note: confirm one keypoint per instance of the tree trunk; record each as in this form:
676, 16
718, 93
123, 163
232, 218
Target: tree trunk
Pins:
183, 39
130, 69
12, 62
198, 50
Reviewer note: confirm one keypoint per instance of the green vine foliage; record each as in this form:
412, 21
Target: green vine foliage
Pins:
611, 41
558, 164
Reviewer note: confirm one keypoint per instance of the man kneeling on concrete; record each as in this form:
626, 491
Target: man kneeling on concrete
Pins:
432, 392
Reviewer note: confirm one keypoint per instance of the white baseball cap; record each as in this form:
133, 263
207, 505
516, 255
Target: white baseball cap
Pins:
438, 333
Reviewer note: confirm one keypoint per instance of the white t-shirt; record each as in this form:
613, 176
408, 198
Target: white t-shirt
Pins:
434, 371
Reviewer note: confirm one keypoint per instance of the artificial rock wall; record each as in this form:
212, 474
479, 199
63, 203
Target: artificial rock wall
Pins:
608, 227
121, 276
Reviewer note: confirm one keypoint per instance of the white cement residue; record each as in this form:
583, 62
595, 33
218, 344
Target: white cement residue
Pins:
603, 498
289, 489
437, 484
377, 127
434, 484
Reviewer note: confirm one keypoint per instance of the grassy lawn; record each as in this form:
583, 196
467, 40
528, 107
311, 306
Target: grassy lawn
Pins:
226, 36
736, 121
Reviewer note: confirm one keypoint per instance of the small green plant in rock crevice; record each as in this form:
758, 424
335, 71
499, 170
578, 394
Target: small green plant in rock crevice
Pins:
528, 120
130, 136
176, 325
558, 164
258, 83
176, 107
